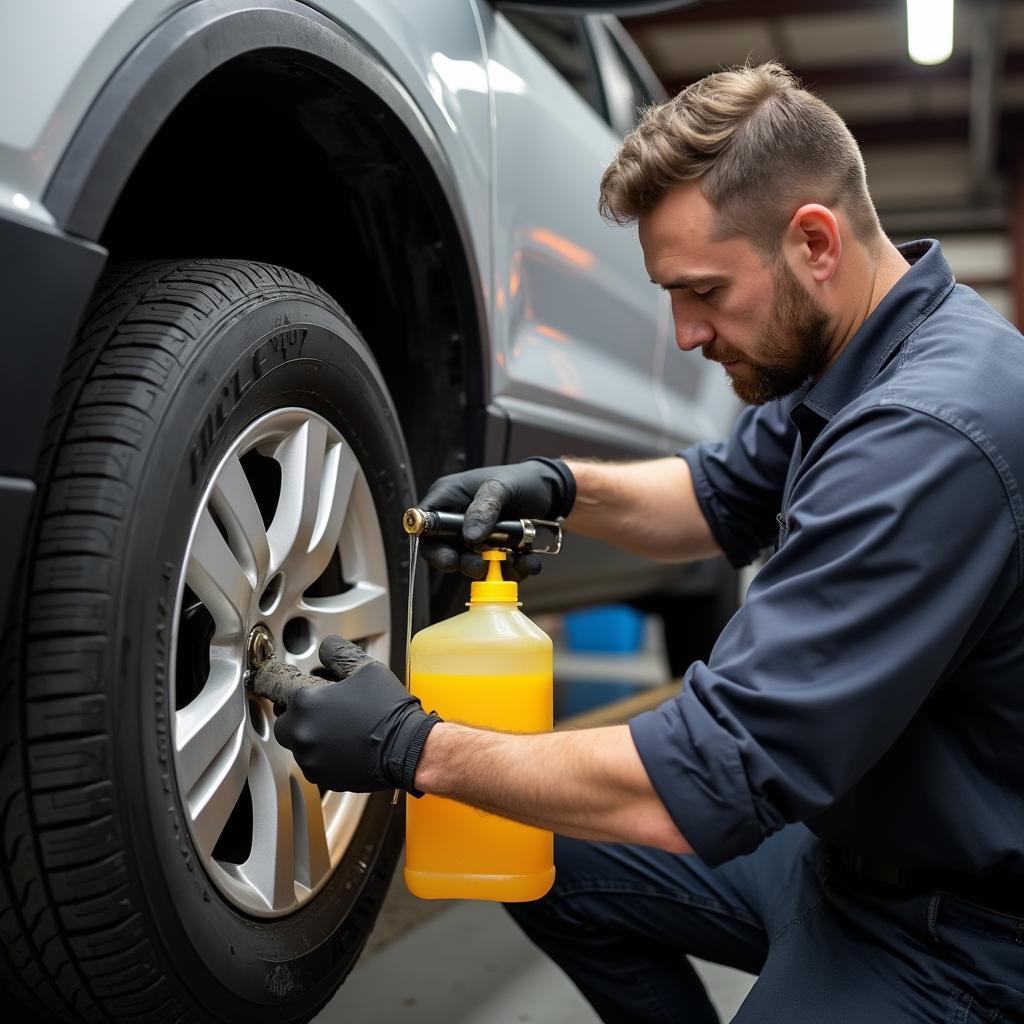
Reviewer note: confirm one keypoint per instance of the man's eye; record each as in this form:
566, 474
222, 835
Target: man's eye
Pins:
706, 293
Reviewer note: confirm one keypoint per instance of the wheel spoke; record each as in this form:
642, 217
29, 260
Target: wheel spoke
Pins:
362, 613
324, 509
340, 469
361, 544
235, 504
217, 579
301, 456
205, 726
270, 868
213, 799
312, 857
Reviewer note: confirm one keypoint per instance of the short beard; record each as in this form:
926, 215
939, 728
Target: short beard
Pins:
795, 345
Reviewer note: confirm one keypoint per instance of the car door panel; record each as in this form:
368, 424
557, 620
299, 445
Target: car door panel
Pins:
574, 322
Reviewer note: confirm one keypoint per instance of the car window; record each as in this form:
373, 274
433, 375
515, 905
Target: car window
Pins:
561, 40
640, 95
627, 89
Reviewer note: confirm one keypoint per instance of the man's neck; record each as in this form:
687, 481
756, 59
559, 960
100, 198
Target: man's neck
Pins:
873, 274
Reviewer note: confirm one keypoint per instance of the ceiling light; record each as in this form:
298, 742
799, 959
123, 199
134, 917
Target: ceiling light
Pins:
929, 30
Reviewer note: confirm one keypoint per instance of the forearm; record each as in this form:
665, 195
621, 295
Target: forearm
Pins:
590, 783
648, 508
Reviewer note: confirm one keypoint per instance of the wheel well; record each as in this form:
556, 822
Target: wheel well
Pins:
278, 157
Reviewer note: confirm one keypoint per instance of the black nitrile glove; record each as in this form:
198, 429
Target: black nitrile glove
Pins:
359, 735
536, 488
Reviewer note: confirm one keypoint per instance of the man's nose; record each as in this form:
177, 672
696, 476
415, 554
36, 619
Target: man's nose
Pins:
692, 333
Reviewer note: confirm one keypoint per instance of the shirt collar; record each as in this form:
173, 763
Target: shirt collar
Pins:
908, 303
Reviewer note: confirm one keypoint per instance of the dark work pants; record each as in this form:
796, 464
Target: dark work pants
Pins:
828, 949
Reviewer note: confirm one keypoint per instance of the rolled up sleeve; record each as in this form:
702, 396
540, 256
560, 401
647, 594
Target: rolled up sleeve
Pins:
739, 482
898, 527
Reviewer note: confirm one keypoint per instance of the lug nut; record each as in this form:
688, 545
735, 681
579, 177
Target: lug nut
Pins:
260, 648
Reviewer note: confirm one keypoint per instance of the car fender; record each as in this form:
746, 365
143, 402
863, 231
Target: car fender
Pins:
181, 50
65, 158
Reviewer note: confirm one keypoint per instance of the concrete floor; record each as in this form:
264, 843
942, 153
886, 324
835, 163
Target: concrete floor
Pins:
439, 962
469, 964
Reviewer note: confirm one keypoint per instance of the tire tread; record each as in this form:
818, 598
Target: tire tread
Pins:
74, 946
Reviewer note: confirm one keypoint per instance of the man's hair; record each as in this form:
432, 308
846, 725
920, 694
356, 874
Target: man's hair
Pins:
761, 146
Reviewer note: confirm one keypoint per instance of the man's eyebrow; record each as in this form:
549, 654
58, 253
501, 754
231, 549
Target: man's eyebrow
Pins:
697, 281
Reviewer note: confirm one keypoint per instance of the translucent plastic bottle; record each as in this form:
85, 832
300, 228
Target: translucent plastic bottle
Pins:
489, 667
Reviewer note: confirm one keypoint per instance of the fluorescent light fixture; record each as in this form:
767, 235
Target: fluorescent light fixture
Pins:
930, 30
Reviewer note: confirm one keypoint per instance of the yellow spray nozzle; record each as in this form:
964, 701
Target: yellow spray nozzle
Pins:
495, 556
494, 587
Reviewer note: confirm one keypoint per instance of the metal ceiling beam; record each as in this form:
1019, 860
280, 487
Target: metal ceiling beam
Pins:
734, 10
882, 73
929, 129
916, 130
908, 222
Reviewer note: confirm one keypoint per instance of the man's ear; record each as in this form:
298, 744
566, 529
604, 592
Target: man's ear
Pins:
813, 241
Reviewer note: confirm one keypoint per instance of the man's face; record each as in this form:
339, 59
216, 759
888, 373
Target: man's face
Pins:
757, 320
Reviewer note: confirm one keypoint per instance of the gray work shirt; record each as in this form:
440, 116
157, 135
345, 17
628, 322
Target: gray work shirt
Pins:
872, 685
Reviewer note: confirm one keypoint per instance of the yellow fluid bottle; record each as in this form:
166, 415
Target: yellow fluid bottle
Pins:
489, 667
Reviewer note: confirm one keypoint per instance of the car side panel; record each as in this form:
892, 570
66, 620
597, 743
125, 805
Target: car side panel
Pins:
81, 166
584, 384
434, 49
51, 291
575, 320
80, 50
55, 59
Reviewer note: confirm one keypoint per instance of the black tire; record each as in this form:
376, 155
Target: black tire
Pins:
106, 911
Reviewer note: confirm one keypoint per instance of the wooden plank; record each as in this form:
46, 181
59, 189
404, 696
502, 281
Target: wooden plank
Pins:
620, 711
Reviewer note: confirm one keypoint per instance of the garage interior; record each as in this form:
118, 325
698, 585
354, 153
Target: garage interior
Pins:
943, 143
944, 149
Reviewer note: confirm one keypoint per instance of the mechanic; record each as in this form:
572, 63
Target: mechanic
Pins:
835, 800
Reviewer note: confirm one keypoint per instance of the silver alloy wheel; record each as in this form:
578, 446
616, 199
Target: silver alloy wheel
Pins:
304, 563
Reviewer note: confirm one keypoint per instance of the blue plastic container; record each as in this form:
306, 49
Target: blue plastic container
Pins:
609, 628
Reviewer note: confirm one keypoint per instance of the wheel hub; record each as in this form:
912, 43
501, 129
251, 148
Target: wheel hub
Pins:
285, 549
259, 649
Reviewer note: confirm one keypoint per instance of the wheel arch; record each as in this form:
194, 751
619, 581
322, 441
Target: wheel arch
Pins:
328, 134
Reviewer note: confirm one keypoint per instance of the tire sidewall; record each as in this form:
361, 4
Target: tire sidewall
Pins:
283, 351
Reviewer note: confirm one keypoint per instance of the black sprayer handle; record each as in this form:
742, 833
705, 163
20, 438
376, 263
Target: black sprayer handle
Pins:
509, 533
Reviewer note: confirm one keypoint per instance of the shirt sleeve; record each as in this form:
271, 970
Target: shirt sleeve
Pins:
897, 534
739, 482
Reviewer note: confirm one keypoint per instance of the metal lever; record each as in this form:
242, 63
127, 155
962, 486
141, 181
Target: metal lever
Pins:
514, 534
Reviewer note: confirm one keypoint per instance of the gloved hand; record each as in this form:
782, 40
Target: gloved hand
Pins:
535, 488
361, 734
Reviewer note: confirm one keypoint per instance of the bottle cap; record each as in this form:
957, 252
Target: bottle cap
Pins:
494, 588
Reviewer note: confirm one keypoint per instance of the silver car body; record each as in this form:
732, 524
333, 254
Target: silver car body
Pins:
579, 343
